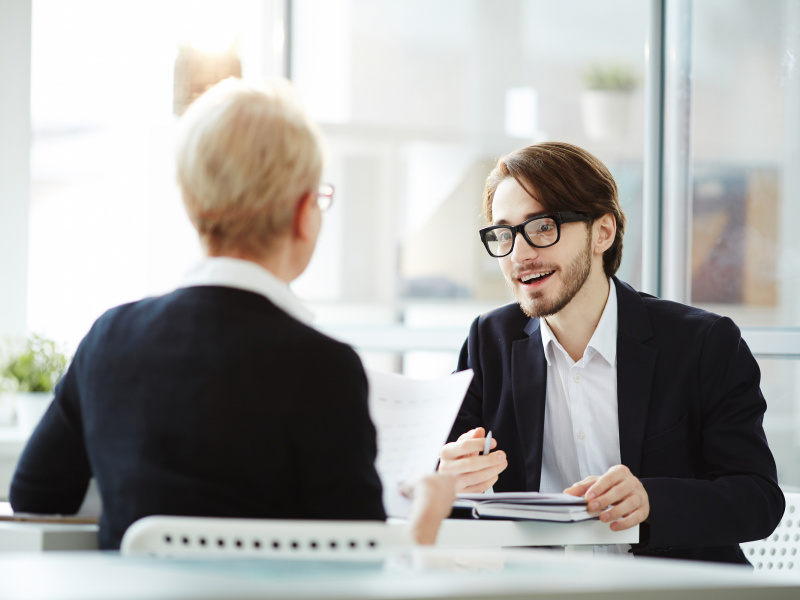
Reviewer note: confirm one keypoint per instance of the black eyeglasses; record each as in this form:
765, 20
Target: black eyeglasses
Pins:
325, 196
540, 232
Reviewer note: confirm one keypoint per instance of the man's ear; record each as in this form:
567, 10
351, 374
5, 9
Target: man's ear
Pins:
303, 226
605, 230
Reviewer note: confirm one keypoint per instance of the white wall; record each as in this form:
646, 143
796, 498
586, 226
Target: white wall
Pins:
15, 140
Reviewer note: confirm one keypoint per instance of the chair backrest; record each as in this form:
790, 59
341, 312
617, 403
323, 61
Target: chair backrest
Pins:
781, 550
281, 538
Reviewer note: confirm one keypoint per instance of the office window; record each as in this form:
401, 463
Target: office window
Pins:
745, 187
106, 221
780, 381
418, 100
745, 152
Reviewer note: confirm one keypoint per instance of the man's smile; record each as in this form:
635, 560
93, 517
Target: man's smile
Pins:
532, 280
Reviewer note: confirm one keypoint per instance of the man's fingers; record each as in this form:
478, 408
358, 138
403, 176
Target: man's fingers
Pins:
463, 458
474, 464
468, 444
622, 498
496, 461
629, 521
615, 476
479, 488
479, 481
462, 449
489, 466
616, 494
579, 488
621, 509
478, 432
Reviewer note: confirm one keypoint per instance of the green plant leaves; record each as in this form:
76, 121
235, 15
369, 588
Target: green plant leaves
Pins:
36, 366
610, 77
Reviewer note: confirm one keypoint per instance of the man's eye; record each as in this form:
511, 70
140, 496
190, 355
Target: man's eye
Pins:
540, 227
504, 236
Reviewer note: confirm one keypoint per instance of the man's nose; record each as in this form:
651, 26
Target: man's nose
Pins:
522, 249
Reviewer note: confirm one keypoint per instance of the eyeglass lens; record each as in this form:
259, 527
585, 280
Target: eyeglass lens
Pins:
541, 232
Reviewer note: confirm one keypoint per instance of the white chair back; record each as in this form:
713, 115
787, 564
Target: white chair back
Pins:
781, 550
279, 538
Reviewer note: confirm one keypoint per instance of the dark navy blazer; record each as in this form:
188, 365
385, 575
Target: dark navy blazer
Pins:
690, 420
209, 401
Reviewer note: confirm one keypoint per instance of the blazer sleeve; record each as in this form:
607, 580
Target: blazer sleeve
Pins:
336, 445
53, 472
737, 499
470, 414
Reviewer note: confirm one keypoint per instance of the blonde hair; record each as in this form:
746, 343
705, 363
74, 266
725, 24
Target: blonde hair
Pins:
245, 155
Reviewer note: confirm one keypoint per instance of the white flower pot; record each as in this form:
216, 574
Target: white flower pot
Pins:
31, 406
606, 114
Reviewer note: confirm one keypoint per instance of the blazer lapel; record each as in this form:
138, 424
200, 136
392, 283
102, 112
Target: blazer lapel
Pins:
529, 388
635, 365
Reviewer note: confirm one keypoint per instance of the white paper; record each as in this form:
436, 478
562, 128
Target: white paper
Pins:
413, 419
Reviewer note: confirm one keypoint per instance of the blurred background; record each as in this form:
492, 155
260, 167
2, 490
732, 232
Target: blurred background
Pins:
693, 105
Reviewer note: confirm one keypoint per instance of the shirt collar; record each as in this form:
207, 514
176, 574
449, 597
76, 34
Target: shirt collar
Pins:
248, 276
604, 338
548, 340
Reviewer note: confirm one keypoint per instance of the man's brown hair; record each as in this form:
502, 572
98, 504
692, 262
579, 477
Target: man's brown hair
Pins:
563, 177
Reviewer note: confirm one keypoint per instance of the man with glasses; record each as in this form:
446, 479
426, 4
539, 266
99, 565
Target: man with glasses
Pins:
219, 399
649, 408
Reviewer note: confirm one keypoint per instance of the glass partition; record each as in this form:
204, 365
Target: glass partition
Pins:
745, 253
780, 381
420, 98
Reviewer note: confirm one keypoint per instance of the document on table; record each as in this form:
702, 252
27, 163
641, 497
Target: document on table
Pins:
413, 419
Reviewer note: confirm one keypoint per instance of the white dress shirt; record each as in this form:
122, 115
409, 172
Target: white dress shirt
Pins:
581, 428
248, 276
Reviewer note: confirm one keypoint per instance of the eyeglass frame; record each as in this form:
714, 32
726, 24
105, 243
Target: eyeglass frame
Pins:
558, 217
325, 196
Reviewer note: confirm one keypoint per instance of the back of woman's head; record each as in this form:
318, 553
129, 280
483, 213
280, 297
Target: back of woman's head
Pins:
245, 155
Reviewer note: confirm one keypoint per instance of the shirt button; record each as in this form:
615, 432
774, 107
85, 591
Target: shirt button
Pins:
576, 378
581, 435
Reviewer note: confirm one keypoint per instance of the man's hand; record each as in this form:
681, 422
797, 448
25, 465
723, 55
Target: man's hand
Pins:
473, 473
623, 494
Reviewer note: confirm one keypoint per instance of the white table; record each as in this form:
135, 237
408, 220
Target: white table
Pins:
427, 573
577, 536
40, 537
454, 533
12, 442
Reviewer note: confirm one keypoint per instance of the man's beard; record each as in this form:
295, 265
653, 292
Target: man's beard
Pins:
573, 277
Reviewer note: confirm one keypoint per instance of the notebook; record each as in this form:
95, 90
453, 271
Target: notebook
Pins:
533, 506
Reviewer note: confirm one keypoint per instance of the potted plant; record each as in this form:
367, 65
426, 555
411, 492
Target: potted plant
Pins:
606, 100
31, 370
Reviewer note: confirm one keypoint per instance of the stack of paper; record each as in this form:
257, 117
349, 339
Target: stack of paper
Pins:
524, 506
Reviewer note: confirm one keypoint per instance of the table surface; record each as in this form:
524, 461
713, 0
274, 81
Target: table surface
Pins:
421, 573
464, 533
454, 533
